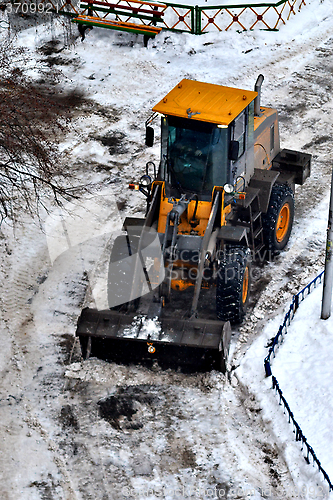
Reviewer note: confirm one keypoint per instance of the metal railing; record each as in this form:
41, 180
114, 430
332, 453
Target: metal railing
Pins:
299, 436
178, 17
276, 341
267, 16
196, 20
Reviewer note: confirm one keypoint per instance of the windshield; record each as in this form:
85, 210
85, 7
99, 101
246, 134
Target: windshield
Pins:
196, 154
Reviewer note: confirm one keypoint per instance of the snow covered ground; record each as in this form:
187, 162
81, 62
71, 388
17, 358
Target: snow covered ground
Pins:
303, 369
91, 430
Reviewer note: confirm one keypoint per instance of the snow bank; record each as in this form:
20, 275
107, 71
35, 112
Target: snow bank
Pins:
303, 368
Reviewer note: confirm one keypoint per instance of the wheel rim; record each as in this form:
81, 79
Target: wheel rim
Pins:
283, 223
245, 285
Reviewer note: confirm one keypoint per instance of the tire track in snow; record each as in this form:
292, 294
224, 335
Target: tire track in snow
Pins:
34, 352
23, 267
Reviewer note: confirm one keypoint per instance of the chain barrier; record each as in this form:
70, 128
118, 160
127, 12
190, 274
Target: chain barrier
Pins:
275, 343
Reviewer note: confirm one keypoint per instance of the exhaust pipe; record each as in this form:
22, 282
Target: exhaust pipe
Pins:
257, 88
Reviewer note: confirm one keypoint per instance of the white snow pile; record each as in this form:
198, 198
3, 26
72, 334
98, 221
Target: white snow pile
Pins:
143, 328
303, 368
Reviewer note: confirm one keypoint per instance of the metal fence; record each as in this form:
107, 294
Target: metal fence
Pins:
267, 16
276, 341
196, 20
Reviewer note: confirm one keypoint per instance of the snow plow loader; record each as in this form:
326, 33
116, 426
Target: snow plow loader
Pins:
222, 196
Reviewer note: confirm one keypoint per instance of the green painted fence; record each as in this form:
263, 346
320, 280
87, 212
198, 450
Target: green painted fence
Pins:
186, 18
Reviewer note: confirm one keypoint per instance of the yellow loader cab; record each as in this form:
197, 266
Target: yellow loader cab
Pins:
222, 195
216, 124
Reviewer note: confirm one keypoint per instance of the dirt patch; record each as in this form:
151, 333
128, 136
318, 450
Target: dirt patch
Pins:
42, 278
287, 112
188, 458
51, 47
222, 490
67, 418
121, 205
261, 278
114, 407
318, 141
46, 488
64, 101
114, 141
299, 264
61, 61
269, 451
119, 409
111, 114
270, 458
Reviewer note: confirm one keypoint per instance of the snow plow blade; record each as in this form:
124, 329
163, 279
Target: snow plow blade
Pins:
130, 338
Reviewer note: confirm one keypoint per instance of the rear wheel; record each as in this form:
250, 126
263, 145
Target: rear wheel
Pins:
233, 284
278, 221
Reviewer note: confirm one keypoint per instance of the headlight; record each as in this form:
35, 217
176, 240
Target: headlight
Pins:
228, 188
145, 181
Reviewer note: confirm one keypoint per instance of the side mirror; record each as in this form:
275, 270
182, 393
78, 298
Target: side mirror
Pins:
233, 150
149, 136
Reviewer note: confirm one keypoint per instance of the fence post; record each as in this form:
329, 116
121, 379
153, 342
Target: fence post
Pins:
328, 276
197, 20
193, 21
268, 370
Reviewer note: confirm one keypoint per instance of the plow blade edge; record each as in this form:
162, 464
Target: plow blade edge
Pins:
129, 338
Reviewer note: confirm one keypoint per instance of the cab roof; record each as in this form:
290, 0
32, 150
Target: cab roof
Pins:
205, 102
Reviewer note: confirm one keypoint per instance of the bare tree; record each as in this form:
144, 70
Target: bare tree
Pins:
32, 118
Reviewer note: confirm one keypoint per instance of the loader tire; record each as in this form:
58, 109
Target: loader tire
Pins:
233, 284
278, 221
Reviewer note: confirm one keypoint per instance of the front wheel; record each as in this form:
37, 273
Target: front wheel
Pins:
233, 284
278, 221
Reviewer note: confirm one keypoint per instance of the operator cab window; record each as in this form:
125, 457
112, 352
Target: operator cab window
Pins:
239, 131
196, 155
